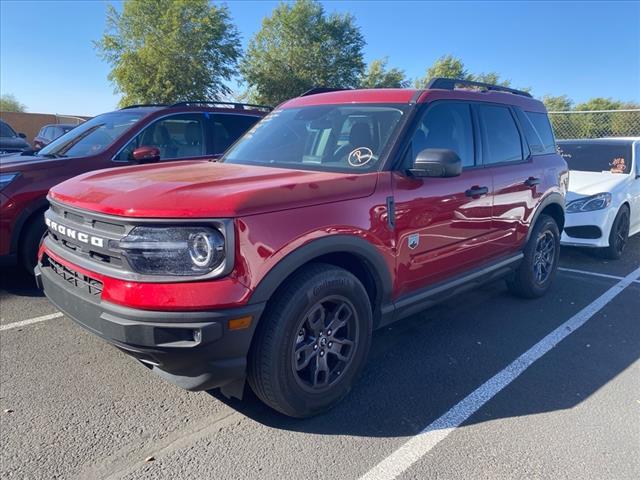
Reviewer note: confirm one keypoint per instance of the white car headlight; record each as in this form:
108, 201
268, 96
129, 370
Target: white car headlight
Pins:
589, 204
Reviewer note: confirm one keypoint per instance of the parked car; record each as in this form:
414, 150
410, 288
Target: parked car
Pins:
10, 141
275, 263
133, 135
603, 202
50, 132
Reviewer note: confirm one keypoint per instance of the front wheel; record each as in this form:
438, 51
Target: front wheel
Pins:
535, 273
312, 342
618, 236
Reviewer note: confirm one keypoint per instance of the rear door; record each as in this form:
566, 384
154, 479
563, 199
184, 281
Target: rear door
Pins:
516, 177
442, 224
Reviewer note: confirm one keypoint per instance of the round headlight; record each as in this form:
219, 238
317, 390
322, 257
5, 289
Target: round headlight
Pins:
203, 247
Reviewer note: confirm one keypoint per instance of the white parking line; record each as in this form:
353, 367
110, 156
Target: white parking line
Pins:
595, 274
419, 445
30, 321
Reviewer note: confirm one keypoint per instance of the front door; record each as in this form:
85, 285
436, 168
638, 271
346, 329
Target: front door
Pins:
442, 224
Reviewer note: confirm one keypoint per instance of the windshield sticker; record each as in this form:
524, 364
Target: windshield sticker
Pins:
618, 165
360, 156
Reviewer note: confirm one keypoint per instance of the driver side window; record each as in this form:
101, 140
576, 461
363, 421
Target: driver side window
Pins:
445, 125
177, 136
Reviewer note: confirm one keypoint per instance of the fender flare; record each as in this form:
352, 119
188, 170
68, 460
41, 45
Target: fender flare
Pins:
553, 198
349, 244
23, 218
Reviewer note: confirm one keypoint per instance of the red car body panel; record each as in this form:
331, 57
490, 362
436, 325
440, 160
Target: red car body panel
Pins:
207, 190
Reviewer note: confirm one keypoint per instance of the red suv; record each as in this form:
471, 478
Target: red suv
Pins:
338, 213
137, 134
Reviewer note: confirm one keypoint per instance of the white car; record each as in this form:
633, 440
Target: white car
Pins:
603, 201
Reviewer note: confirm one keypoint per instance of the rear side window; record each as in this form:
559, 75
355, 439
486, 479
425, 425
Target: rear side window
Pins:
228, 128
501, 141
541, 123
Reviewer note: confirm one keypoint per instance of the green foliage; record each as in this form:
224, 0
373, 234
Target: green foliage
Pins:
449, 66
9, 103
446, 66
162, 51
377, 76
559, 103
300, 47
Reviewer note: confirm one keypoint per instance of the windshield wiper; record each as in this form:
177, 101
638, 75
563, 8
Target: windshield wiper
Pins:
50, 155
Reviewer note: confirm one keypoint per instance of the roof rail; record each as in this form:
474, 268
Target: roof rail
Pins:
237, 106
315, 91
145, 105
450, 84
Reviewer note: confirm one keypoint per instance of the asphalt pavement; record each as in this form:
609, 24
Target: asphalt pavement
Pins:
483, 386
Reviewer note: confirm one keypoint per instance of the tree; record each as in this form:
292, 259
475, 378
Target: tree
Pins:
162, 51
559, 103
599, 103
9, 103
377, 76
446, 66
300, 47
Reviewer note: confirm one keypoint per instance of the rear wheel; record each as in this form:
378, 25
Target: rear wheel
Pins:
535, 273
312, 342
30, 243
618, 236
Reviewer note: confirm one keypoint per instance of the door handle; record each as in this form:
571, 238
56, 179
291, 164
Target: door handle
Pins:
476, 191
531, 181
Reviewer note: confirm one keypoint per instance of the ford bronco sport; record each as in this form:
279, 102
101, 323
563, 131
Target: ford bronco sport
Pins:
338, 213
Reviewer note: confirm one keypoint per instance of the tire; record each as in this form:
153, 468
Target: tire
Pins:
30, 243
536, 271
618, 235
298, 365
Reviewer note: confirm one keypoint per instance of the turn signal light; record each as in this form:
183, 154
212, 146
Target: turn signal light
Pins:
240, 323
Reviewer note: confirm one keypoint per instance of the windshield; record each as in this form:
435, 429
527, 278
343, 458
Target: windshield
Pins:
93, 136
322, 137
6, 130
597, 157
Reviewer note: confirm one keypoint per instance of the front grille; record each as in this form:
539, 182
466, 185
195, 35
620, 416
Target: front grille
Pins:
76, 280
89, 236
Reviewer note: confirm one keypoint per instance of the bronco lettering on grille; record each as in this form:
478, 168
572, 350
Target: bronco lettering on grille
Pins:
76, 235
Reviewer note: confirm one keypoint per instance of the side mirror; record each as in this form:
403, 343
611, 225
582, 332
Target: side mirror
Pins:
145, 154
22, 135
436, 162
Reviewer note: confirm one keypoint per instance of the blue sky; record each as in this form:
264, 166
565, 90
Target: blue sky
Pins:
582, 49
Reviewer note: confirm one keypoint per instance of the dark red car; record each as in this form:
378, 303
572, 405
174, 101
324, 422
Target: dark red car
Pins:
138, 134
48, 133
338, 213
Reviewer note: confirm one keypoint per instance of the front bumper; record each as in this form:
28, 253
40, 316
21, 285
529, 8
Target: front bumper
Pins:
194, 350
600, 219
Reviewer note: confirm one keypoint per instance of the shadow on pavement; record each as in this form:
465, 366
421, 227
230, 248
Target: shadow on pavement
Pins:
421, 367
16, 281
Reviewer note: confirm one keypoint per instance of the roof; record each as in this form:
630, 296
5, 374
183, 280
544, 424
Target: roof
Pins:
412, 96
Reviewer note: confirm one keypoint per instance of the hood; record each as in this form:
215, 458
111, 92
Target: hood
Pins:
582, 184
203, 189
17, 161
